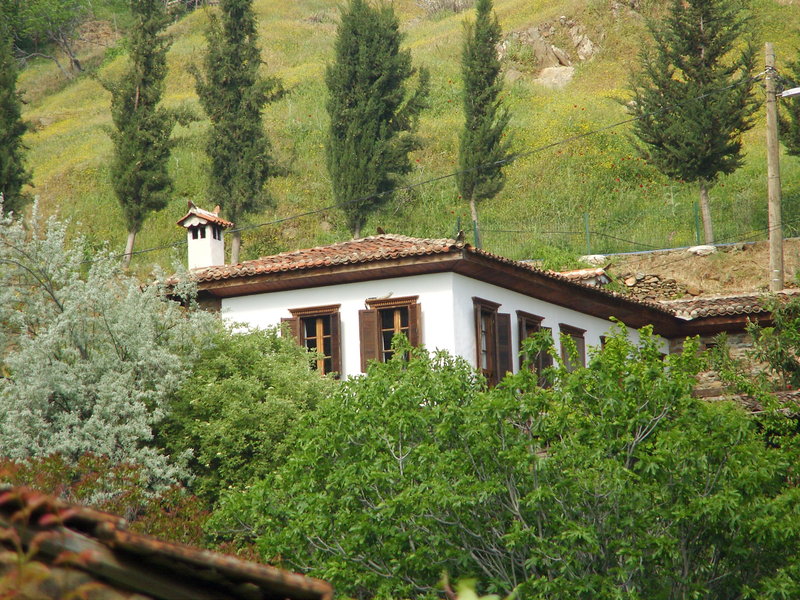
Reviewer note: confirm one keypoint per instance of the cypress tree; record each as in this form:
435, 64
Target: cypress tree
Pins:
142, 129
484, 146
373, 116
13, 174
693, 95
790, 119
233, 95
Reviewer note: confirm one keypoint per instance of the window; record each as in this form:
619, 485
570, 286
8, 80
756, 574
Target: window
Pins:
492, 339
381, 320
198, 232
528, 325
317, 328
580, 346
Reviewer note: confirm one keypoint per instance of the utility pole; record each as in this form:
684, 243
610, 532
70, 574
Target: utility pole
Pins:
773, 176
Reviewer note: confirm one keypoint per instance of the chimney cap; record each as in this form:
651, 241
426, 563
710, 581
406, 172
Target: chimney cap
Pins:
204, 215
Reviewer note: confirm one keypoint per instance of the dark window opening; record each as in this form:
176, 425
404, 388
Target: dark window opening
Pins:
317, 329
382, 320
577, 337
493, 340
528, 325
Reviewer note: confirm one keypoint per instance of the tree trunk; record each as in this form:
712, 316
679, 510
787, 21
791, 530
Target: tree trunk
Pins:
473, 210
705, 211
356, 232
236, 244
126, 258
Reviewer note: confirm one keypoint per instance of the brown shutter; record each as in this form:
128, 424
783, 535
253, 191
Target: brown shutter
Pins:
478, 336
336, 344
293, 325
414, 325
505, 354
368, 331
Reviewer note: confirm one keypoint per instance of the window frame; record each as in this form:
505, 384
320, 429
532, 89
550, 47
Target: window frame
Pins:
499, 359
371, 329
578, 336
543, 359
297, 326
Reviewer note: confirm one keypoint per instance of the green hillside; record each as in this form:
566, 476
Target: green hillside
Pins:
548, 192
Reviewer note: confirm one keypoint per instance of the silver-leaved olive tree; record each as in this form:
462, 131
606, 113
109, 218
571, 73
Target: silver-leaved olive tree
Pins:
89, 357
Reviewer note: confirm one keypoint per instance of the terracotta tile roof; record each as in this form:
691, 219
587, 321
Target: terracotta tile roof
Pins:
369, 249
387, 247
713, 306
582, 273
586, 275
573, 281
98, 544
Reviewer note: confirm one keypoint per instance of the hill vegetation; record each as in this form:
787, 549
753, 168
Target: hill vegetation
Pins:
554, 191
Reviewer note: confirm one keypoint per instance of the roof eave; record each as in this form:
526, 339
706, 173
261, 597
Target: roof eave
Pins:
476, 265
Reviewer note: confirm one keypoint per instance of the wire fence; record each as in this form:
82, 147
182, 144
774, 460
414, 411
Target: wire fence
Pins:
592, 234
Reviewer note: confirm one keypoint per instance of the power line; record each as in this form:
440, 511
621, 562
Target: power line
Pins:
508, 160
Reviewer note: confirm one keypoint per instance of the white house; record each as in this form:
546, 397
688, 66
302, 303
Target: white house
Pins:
348, 300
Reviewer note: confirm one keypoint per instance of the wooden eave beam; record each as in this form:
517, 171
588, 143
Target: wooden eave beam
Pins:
717, 324
330, 275
507, 275
567, 294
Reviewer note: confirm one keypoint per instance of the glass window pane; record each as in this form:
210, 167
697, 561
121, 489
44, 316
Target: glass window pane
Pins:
310, 328
387, 340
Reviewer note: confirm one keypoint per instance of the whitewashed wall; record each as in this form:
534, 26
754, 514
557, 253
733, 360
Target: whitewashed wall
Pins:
448, 321
435, 298
464, 289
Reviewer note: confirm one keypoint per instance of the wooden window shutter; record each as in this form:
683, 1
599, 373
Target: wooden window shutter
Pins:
336, 344
478, 334
505, 354
368, 331
293, 325
414, 324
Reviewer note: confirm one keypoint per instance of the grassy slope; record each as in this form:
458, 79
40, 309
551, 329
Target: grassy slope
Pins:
546, 192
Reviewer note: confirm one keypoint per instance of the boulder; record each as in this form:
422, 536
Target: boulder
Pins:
555, 77
703, 250
596, 260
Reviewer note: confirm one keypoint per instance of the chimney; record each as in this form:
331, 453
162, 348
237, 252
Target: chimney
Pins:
204, 236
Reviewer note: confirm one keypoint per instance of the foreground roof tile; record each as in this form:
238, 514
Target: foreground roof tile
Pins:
97, 544
750, 303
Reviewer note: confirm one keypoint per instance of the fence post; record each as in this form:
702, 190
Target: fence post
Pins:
697, 222
588, 234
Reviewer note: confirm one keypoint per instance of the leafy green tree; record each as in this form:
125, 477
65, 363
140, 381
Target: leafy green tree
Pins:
615, 482
790, 117
142, 129
246, 394
372, 114
773, 361
89, 358
693, 94
484, 146
233, 95
13, 174
39, 25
